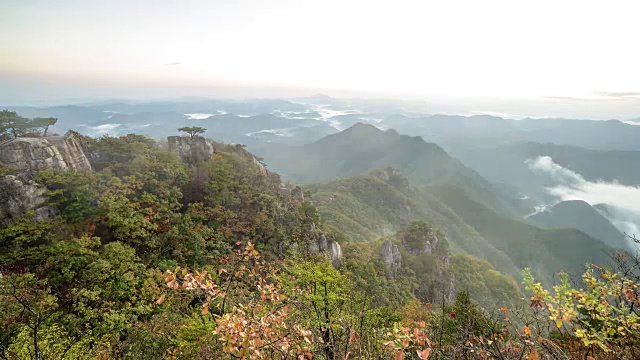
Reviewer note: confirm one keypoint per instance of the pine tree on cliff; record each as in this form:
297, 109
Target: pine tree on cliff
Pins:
192, 130
12, 123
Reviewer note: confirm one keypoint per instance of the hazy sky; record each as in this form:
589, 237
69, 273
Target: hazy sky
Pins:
494, 48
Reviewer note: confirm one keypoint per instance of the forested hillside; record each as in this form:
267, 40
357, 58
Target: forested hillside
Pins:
194, 249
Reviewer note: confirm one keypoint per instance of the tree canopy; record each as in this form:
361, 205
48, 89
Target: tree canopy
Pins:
192, 130
13, 125
151, 257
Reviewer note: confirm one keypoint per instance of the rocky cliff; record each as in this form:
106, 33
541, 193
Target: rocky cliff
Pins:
428, 247
391, 257
192, 150
25, 156
30, 154
19, 195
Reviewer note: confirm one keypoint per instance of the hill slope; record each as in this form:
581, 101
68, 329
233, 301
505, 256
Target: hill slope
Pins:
375, 205
579, 215
546, 252
363, 147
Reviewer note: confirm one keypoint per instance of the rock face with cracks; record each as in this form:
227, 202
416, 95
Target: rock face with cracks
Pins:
28, 155
32, 154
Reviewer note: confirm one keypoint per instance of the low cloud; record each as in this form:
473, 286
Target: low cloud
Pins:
619, 203
103, 129
620, 94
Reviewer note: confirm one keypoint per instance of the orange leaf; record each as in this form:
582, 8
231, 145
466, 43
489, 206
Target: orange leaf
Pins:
160, 300
527, 331
399, 355
533, 355
205, 309
424, 354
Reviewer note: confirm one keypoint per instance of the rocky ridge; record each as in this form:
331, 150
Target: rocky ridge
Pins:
24, 156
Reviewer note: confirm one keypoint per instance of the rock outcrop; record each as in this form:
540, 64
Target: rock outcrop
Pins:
73, 150
297, 194
19, 195
391, 257
45, 153
191, 150
27, 155
335, 252
419, 243
261, 168
319, 245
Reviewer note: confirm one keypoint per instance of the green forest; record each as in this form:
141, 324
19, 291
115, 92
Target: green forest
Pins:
154, 254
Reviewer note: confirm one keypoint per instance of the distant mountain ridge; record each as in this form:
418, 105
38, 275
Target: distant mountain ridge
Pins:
579, 215
465, 132
364, 147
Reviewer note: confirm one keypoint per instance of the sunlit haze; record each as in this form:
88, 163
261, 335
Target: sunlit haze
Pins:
410, 49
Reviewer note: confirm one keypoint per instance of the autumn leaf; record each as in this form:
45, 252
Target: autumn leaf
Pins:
527, 331
205, 309
424, 354
399, 355
160, 300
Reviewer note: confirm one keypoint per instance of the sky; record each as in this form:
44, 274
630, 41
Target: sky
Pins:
491, 48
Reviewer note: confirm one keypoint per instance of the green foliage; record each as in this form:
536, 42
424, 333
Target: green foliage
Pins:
369, 207
192, 130
545, 252
488, 287
602, 314
92, 281
44, 123
54, 342
13, 125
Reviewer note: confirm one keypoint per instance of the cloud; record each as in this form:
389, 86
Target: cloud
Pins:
103, 129
172, 63
544, 165
621, 202
620, 94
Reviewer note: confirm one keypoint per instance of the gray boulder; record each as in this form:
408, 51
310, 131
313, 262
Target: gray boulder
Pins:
19, 195
391, 257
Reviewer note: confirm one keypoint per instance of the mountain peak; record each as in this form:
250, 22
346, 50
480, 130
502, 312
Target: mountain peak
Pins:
578, 214
321, 97
361, 125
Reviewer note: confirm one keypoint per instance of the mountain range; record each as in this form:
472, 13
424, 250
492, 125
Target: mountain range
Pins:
466, 174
